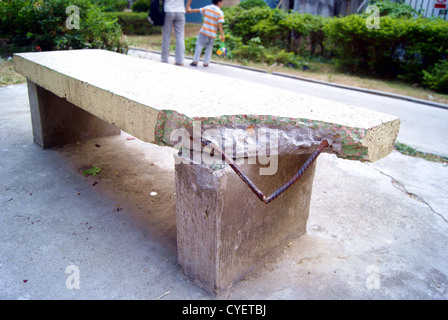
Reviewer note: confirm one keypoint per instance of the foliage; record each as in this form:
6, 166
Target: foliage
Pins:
437, 77
401, 47
31, 24
395, 9
111, 5
141, 6
248, 4
92, 171
253, 51
134, 23
294, 32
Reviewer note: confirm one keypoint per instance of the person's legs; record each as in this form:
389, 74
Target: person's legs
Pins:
208, 50
200, 42
166, 35
179, 27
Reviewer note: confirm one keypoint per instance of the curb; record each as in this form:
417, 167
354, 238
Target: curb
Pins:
342, 86
381, 93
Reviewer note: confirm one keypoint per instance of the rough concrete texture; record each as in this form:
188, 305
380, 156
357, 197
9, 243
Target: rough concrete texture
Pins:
104, 84
224, 231
375, 231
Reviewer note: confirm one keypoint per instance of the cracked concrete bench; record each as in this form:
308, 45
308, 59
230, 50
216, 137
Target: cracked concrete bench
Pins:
223, 230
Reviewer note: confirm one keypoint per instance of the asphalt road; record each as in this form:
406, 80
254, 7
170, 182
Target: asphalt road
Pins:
422, 127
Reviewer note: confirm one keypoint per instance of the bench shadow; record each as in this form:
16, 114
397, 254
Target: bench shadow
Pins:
137, 176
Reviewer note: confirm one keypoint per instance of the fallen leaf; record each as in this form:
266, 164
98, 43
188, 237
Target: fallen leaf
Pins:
92, 171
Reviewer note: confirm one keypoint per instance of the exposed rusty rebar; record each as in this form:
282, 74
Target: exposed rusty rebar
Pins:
324, 144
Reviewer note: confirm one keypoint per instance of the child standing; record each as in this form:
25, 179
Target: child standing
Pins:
213, 20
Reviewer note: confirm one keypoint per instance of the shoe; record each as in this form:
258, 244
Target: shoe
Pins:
194, 64
205, 64
179, 64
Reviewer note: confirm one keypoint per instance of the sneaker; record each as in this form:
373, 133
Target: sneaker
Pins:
205, 64
194, 64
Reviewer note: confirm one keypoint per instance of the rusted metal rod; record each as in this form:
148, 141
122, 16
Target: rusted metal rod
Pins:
299, 173
324, 144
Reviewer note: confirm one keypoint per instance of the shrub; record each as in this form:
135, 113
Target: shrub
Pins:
248, 4
111, 5
402, 47
253, 51
30, 23
101, 32
240, 21
437, 77
282, 57
141, 6
395, 9
295, 32
134, 23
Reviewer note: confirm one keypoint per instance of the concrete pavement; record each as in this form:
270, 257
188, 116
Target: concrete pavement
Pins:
376, 231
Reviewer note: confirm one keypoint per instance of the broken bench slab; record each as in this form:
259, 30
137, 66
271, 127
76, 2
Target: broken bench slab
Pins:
150, 100
223, 230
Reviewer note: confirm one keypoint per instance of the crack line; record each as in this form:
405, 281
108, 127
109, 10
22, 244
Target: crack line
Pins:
400, 186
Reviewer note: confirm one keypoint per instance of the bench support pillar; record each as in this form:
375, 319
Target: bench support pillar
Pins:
224, 231
56, 121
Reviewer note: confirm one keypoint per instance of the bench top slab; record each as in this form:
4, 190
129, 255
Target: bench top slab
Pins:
149, 100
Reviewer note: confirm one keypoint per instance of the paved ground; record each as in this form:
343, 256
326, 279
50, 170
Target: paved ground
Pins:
376, 231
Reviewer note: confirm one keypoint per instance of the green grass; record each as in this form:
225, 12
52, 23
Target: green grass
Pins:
7, 74
407, 150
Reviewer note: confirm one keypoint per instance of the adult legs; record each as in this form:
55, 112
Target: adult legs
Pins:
179, 27
166, 35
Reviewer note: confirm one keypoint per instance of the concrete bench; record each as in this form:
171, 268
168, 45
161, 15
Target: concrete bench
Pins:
223, 229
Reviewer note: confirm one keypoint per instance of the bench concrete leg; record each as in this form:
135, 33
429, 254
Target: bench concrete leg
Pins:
56, 121
224, 231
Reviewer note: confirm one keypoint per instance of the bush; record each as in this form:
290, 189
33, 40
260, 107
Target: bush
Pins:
135, 23
437, 77
141, 6
248, 4
402, 47
294, 32
28, 24
253, 51
395, 9
111, 5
